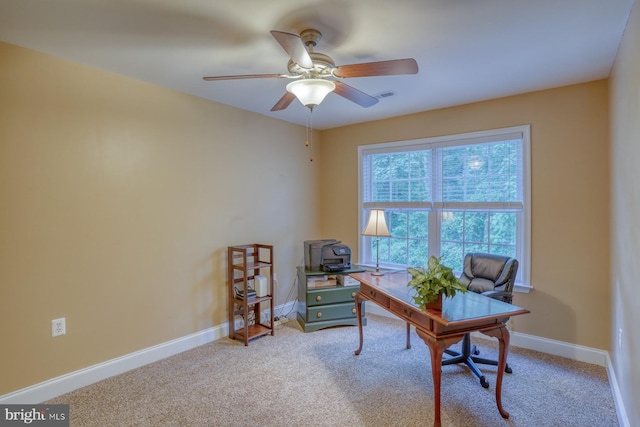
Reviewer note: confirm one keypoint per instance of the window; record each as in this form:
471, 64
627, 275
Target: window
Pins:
448, 196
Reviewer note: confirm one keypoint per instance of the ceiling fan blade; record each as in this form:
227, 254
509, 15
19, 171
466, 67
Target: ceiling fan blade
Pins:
380, 68
292, 44
246, 76
355, 95
283, 102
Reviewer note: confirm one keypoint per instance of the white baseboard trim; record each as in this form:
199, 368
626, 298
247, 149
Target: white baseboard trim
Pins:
560, 348
623, 418
65, 383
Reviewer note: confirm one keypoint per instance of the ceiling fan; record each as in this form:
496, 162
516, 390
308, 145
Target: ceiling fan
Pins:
315, 74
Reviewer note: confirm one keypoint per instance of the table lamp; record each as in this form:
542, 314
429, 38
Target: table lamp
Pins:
376, 227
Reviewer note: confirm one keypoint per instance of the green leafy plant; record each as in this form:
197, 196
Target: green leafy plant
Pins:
432, 281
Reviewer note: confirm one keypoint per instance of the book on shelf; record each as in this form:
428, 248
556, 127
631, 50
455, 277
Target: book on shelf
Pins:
240, 293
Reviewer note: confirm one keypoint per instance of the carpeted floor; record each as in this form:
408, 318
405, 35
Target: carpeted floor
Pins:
314, 379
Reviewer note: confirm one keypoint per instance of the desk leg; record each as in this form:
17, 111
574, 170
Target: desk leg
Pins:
358, 301
503, 339
436, 348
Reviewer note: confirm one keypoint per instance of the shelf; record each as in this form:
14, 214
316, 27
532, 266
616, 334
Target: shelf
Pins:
254, 331
251, 266
245, 263
253, 300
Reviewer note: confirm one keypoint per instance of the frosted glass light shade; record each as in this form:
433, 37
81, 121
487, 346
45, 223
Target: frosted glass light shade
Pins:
311, 92
377, 225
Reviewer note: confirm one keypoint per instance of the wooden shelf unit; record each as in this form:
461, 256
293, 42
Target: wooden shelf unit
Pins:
245, 262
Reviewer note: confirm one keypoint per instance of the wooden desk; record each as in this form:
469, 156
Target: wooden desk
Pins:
463, 313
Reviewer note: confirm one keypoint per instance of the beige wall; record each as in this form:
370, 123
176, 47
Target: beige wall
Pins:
119, 199
570, 198
625, 230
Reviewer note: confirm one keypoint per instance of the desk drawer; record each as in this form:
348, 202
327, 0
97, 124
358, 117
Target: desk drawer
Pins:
375, 295
331, 312
411, 314
331, 296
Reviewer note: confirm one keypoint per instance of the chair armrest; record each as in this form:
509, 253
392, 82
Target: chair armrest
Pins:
499, 295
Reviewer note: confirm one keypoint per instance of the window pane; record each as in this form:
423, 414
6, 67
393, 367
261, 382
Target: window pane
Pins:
380, 168
411, 225
476, 190
399, 166
398, 223
451, 228
503, 228
452, 162
476, 160
418, 252
453, 190
398, 251
420, 164
400, 191
418, 224
453, 255
476, 227
381, 192
419, 191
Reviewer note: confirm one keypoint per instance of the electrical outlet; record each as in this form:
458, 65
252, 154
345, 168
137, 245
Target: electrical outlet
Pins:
58, 327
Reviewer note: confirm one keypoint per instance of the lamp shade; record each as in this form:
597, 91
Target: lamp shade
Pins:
311, 92
377, 225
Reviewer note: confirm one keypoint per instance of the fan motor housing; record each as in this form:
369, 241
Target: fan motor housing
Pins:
322, 65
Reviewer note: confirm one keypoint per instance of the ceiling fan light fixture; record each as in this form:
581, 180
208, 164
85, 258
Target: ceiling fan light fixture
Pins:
311, 92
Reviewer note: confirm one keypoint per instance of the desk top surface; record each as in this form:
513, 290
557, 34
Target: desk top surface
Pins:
461, 308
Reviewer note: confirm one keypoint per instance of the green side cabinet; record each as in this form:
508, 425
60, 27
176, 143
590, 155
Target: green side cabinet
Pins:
325, 306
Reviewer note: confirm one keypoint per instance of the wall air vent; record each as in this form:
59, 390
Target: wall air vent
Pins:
386, 94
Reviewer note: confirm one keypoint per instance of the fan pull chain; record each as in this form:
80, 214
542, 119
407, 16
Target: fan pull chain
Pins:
309, 142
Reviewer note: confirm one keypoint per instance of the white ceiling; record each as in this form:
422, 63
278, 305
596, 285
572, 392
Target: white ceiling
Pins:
467, 50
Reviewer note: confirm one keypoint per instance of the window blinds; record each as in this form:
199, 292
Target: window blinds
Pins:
483, 173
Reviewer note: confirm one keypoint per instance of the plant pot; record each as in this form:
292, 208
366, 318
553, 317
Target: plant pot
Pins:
434, 305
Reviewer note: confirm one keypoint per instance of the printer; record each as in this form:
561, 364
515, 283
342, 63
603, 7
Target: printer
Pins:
328, 255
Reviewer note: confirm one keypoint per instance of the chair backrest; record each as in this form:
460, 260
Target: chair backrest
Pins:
489, 272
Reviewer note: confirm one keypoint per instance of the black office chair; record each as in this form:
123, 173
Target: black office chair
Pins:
493, 276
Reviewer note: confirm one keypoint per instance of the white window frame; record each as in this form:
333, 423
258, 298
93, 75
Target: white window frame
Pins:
523, 230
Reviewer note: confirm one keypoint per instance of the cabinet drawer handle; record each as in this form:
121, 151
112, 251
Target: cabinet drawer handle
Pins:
353, 310
318, 298
353, 294
373, 293
319, 314
406, 312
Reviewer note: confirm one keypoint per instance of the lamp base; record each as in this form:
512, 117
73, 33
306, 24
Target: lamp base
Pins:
377, 273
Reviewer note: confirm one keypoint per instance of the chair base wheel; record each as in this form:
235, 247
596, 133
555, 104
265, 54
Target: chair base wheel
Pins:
484, 383
508, 369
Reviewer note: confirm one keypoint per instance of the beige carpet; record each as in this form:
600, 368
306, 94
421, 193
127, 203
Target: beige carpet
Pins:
313, 379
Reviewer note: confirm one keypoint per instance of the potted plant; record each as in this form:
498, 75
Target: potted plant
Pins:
432, 283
